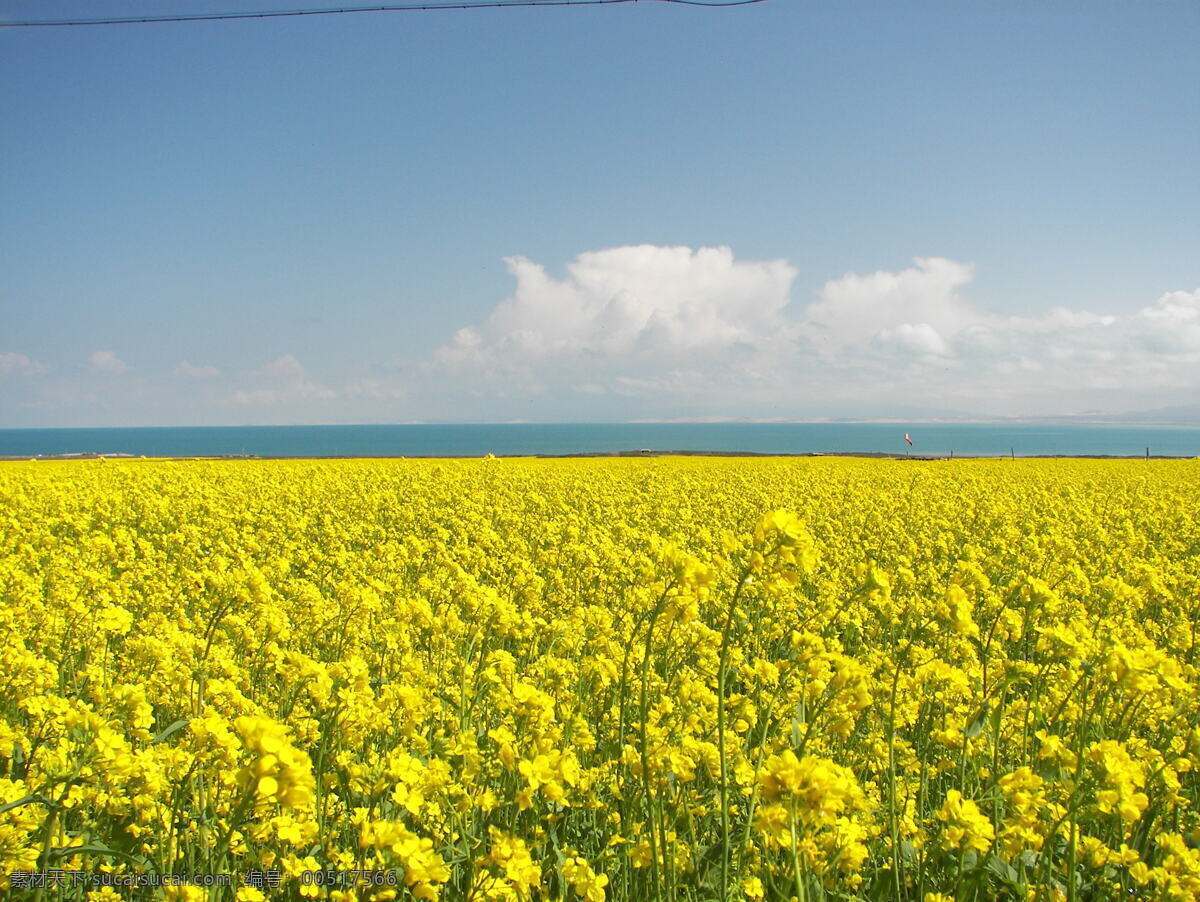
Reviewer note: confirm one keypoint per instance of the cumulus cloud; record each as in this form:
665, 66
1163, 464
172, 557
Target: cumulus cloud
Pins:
675, 333
12, 363
700, 327
628, 301
283, 380
375, 389
906, 323
106, 362
913, 308
920, 339
191, 371
1172, 325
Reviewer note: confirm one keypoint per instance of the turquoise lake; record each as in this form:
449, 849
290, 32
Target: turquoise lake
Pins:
935, 439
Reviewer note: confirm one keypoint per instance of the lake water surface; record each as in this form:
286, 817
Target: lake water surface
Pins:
938, 439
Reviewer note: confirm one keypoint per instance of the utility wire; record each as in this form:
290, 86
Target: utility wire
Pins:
390, 8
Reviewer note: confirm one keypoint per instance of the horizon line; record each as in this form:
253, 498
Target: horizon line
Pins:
1017, 420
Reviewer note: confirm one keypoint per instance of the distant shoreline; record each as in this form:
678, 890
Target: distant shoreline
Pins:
605, 440
871, 455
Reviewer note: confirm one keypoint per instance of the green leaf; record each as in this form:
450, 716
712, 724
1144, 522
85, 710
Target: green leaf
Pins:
881, 888
1006, 873
996, 718
977, 722
170, 731
94, 848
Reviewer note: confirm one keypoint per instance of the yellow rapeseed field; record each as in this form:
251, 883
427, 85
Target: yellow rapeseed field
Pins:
633, 679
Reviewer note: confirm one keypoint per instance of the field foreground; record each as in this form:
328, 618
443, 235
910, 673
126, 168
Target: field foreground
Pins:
661, 679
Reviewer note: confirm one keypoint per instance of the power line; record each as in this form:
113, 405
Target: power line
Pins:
390, 8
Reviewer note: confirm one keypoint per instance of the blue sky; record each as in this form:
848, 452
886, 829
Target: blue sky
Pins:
622, 212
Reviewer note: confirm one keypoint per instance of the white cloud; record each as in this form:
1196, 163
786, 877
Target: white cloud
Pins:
191, 371
1172, 325
674, 333
987, 357
676, 327
282, 380
909, 338
287, 368
106, 362
628, 301
675, 383
12, 363
918, 304
375, 390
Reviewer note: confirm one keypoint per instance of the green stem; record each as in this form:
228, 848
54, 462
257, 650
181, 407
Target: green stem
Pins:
801, 888
722, 673
645, 753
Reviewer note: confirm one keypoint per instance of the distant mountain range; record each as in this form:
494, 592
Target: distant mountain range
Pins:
1175, 415
1178, 415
